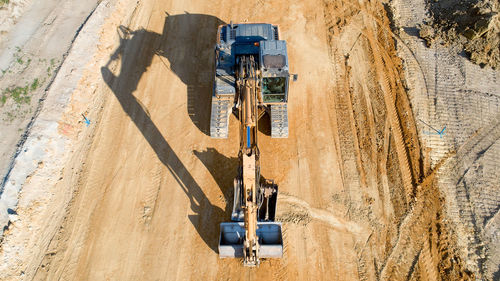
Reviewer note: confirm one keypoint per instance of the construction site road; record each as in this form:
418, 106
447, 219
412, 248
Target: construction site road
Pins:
355, 200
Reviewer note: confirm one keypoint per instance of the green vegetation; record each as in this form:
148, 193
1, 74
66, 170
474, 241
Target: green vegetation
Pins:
18, 56
20, 95
4, 2
35, 84
51, 67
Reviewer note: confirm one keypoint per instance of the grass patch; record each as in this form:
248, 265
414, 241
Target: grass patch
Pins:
18, 55
20, 95
4, 2
51, 67
35, 84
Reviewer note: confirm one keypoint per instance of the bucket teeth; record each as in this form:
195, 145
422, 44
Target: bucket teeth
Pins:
232, 236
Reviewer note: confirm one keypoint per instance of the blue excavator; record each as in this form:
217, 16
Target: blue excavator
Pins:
251, 79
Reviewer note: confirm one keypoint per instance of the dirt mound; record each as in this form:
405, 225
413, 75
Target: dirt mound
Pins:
471, 25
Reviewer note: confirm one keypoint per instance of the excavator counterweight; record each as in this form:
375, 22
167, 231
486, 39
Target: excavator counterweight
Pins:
251, 77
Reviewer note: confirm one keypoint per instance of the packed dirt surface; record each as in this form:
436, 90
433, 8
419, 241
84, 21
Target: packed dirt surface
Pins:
472, 26
359, 194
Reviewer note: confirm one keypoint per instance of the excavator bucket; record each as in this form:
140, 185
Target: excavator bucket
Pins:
232, 235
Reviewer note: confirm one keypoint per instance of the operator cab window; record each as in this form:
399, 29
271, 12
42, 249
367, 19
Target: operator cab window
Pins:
273, 89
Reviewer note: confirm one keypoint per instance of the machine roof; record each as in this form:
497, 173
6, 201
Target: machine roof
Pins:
248, 32
273, 54
254, 30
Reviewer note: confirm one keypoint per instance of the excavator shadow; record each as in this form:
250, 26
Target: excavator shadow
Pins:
187, 42
265, 125
223, 170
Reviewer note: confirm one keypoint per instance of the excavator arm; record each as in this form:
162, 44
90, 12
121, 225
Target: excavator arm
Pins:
249, 154
255, 198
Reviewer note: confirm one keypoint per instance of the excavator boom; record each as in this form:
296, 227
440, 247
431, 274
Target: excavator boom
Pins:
256, 239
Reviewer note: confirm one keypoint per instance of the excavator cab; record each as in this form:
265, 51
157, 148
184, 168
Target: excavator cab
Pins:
274, 89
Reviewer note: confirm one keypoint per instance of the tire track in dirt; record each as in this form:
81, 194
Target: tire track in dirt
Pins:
404, 253
352, 119
281, 273
427, 264
386, 197
409, 243
389, 99
322, 215
452, 177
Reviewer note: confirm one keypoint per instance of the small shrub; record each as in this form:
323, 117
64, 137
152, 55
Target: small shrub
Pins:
35, 84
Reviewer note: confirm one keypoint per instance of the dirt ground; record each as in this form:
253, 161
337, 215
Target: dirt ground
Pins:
358, 197
472, 27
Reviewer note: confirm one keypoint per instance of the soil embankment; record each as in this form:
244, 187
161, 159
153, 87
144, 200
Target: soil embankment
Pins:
471, 26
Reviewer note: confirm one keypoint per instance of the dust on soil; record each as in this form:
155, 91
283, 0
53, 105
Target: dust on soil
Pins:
472, 26
357, 199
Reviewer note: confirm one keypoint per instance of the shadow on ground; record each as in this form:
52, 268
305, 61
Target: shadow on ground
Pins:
223, 170
187, 43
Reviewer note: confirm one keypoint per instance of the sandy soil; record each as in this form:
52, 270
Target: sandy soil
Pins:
357, 196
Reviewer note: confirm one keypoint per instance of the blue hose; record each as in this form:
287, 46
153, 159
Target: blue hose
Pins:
248, 136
